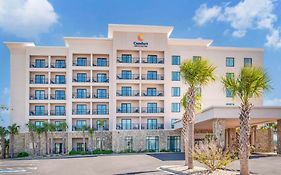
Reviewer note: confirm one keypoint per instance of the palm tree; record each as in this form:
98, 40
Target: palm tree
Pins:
31, 128
91, 133
84, 128
39, 130
52, 129
13, 130
196, 74
3, 134
63, 127
46, 130
250, 83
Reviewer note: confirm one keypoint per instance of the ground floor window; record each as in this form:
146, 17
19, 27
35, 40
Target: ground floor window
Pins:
129, 143
100, 143
80, 146
152, 143
173, 143
58, 148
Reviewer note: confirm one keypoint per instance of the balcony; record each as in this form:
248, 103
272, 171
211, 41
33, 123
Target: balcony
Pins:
58, 65
81, 80
57, 97
100, 111
128, 110
38, 97
81, 95
101, 127
152, 93
128, 60
101, 63
101, 80
38, 112
101, 95
152, 60
152, 77
57, 113
81, 63
38, 65
148, 126
127, 93
128, 76
58, 81
81, 112
38, 81
152, 110
79, 128
127, 126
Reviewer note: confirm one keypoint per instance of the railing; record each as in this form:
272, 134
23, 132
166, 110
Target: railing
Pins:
57, 113
128, 110
153, 61
128, 93
128, 60
101, 80
131, 126
128, 76
57, 81
152, 110
81, 112
38, 65
152, 77
38, 81
38, 113
152, 126
58, 65
100, 112
82, 63
38, 97
101, 128
101, 95
101, 63
83, 80
81, 95
56, 97
151, 94
79, 128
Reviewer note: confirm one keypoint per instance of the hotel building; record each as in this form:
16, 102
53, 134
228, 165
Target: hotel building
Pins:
126, 86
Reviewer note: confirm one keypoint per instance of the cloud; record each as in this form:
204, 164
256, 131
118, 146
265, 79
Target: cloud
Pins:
6, 91
244, 16
27, 18
273, 102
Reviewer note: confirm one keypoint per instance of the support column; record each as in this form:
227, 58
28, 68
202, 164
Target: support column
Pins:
278, 136
253, 135
231, 138
219, 131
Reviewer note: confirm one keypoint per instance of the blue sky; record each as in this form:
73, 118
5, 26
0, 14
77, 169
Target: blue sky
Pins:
248, 23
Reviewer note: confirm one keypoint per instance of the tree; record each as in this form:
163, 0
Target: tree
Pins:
31, 128
46, 130
63, 127
250, 83
91, 134
3, 133
52, 129
196, 74
84, 128
13, 130
39, 130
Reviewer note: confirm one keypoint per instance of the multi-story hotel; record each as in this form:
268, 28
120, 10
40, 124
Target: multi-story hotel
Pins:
126, 86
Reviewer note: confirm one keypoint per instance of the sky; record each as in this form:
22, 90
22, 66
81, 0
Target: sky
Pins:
245, 23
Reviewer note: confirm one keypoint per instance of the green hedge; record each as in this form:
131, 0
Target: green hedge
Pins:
102, 152
23, 154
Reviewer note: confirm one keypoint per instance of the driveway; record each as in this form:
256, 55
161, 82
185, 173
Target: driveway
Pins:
139, 164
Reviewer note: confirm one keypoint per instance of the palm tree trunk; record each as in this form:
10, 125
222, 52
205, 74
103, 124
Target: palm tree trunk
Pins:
46, 143
39, 144
52, 144
244, 138
12, 145
84, 142
92, 143
3, 146
32, 141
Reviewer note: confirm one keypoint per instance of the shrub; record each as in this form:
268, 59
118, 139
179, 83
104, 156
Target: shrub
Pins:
164, 150
23, 154
102, 151
73, 152
211, 154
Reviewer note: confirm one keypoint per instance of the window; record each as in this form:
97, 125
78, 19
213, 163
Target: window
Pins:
175, 107
101, 124
99, 143
248, 62
230, 75
175, 76
81, 93
39, 123
81, 77
176, 91
129, 143
102, 93
80, 146
126, 124
40, 79
102, 62
60, 79
196, 58
60, 64
152, 143
126, 107
229, 62
151, 123
126, 58
151, 107
40, 110
59, 110
173, 143
80, 123
151, 58
176, 60
102, 77
173, 121
81, 109
229, 93
152, 75
126, 91
102, 109
39, 94
151, 91
81, 62
40, 63
60, 95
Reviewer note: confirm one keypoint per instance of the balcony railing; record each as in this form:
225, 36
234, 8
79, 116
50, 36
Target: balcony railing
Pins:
129, 126
101, 95
38, 81
82, 63
57, 113
58, 81
81, 95
152, 110
152, 94
81, 80
81, 112
101, 127
153, 61
128, 76
58, 65
128, 60
38, 97
38, 65
152, 126
79, 128
100, 111
152, 77
101, 80
57, 97
128, 93
128, 110
38, 112
101, 63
